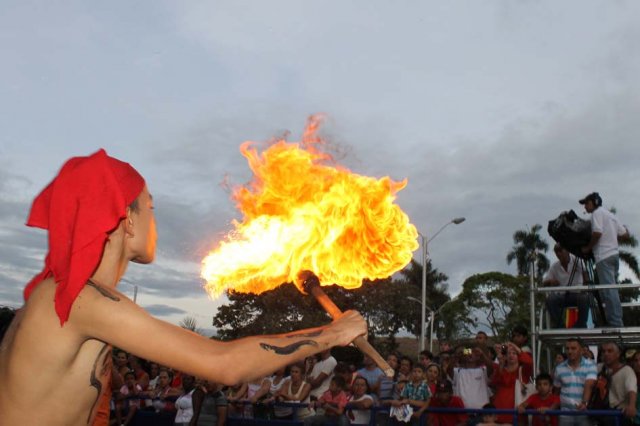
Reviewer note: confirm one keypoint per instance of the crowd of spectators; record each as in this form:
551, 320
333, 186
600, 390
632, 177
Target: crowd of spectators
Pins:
478, 375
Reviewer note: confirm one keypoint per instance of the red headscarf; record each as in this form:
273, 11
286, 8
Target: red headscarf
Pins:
79, 208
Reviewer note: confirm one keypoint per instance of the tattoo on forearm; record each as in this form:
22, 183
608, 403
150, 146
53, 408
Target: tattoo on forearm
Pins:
309, 334
93, 380
289, 349
106, 293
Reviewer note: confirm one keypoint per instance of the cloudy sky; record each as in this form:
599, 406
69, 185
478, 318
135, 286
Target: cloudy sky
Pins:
504, 112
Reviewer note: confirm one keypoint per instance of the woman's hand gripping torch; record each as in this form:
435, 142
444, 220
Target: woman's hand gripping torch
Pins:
310, 283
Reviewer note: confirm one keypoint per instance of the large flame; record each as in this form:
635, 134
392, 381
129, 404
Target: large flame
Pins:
300, 213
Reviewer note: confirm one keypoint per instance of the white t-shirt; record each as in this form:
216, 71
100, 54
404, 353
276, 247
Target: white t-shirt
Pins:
557, 272
360, 417
184, 404
606, 223
324, 366
622, 382
472, 385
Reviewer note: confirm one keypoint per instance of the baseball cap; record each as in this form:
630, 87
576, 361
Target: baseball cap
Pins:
594, 196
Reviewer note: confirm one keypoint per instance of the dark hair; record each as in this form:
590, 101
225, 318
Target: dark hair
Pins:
366, 382
341, 368
426, 353
299, 365
406, 358
493, 352
482, 332
575, 339
420, 366
339, 381
520, 329
129, 373
544, 376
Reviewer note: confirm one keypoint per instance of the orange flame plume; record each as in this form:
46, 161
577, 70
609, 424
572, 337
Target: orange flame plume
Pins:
301, 213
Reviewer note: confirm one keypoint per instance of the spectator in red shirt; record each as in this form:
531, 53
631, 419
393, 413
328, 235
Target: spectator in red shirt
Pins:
444, 398
542, 401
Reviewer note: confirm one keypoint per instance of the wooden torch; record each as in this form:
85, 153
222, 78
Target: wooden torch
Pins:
310, 283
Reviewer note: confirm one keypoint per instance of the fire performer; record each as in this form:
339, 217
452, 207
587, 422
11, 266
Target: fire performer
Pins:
99, 216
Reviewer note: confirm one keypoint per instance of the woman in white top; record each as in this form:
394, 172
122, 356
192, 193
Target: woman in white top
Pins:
359, 407
256, 391
295, 390
184, 403
277, 381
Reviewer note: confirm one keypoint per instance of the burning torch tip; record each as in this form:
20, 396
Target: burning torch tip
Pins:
307, 280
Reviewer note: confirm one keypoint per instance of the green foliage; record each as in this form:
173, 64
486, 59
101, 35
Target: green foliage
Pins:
526, 243
492, 300
190, 323
383, 303
436, 294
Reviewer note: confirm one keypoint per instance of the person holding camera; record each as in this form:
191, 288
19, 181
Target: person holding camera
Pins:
605, 230
516, 366
471, 376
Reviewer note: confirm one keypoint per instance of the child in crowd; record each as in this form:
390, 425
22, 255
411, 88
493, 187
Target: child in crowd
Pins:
488, 419
127, 405
415, 393
444, 398
542, 401
332, 402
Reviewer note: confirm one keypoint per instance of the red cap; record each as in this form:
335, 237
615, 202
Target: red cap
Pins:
79, 208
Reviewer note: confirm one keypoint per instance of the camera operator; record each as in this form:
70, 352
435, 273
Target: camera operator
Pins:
560, 274
605, 230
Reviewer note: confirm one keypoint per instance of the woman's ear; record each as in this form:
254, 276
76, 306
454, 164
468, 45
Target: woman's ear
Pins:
128, 223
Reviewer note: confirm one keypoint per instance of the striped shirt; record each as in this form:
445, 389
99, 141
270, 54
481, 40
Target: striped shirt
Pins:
571, 382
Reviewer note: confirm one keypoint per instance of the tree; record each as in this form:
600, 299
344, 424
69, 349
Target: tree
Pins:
190, 323
526, 243
492, 300
626, 256
436, 290
383, 303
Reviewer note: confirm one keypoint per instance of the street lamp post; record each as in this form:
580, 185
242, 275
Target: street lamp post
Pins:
425, 242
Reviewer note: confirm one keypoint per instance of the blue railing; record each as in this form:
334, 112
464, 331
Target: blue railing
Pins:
152, 418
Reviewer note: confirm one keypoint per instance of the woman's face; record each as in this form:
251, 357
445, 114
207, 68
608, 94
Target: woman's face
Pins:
121, 359
392, 360
405, 366
296, 374
432, 373
359, 386
512, 356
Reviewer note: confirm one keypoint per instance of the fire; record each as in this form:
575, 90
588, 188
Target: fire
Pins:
302, 213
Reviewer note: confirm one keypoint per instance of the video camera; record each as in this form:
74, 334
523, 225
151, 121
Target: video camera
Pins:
571, 232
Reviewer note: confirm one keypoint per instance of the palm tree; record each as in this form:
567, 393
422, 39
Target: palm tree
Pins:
528, 242
626, 256
436, 290
190, 323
